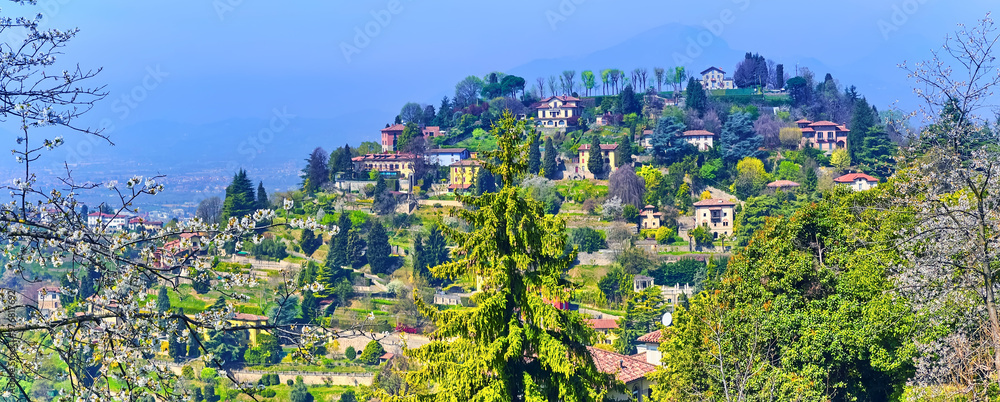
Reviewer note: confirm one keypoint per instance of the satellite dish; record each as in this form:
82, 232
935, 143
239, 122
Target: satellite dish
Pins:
667, 319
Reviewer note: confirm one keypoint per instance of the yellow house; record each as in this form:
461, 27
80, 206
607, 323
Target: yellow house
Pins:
387, 164
558, 111
463, 174
605, 328
608, 150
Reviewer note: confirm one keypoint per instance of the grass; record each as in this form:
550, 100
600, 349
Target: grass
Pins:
587, 275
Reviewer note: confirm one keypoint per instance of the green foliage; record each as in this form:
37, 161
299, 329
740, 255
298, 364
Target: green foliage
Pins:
549, 168
285, 312
208, 374
805, 321
753, 216
162, 300
701, 236
187, 372
534, 155
269, 248
595, 159
379, 250
738, 139
240, 199
788, 170
630, 213
581, 190
616, 285
175, 347
695, 97
684, 271
642, 315
209, 393
373, 351
349, 353
668, 144
310, 242
225, 346
519, 253
751, 178
300, 393
589, 239
665, 234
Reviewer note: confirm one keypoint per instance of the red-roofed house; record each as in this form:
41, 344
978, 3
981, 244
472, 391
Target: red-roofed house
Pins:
649, 218
823, 135
701, 139
391, 134
48, 300
649, 345
558, 111
400, 165
604, 327
630, 371
857, 181
716, 215
783, 185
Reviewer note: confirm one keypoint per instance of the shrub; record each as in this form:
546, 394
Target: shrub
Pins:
589, 239
187, 372
665, 234
372, 352
209, 373
290, 382
268, 393
209, 393
350, 353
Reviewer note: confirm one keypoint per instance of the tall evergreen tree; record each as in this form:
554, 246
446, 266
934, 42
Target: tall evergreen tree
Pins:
262, 201
310, 242
192, 347
337, 256
695, 98
176, 348
379, 250
316, 173
310, 306
240, 199
355, 248
627, 101
642, 315
595, 161
436, 249
624, 151
534, 154
669, 146
738, 138
485, 182
512, 345
863, 118
549, 166
420, 268
162, 300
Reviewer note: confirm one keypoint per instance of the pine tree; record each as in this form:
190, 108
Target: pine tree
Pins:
355, 248
315, 174
595, 160
485, 182
192, 348
309, 242
738, 138
534, 154
420, 260
262, 201
379, 250
695, 96
512, 345
437, 248
337, 256
240, 199
310, 306
549, 166
176, 348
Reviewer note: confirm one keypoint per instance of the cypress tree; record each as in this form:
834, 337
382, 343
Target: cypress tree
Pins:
695, 96
549, 161
315, 174
534, 154
162, 300
624, 151
379, 250
595, 161
262, 201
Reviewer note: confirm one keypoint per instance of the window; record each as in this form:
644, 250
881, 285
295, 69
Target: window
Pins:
725, 223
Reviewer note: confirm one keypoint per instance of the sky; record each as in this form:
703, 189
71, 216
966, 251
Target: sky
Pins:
346, 68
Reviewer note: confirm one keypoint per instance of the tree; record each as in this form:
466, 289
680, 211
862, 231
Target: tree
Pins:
841, 159
660, 75
300, 393
642, 315
588, 80
175, 347
549, 168
379, 251
751, 72
625, 151
595, 160
162, 300
225, 346
467, 91
285, 312
262, 201
738, 138
373, 351
485, 182
518, 252
668, 144
736, 338
240, 199
750, 178
315, 174
790, 137
309, 242
769, 130
411, 131
209, 210
350, 353
695, 96
628, 102
779, 76
701, 236
193, 348
534, 154
310, 306
588, 239
568, 76
616, 285
209, 393
626, 185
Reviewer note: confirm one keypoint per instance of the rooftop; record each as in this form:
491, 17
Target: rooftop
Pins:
713, 68
625, 368
446, 151
602, 323
698, 133
604, 147
652, 337
714, 202
852, 177
782, 183
384, 157
467, 162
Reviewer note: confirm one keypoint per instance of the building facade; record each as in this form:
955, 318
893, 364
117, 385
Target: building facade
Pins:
716, 215
558, 111
390, 135
715, 78
857, 181
649, 218
701, 139
48, 300
823, 135
609, 151
398, 165
463, 174
445, 156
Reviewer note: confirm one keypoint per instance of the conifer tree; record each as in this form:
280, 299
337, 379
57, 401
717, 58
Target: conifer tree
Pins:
534, 155
315, 174
379, 250
162, 300
192, 349
262, 201
512, 345
595, 161
624, 151
549, 166
240, 199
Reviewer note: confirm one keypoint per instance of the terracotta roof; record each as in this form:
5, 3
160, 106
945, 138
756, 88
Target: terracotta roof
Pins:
383, 157
698, 133
647, 132
807, 130
803, 121
842, 128
851, 177
783, 183
564, 98
625, 368
714, 202
648, 207
467, 162
249, 317
604, 147
104, 215
459, 186
55, 289
446, 151
713, 68
603, 324
652, 337
386, 356
394, 127
823, 123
